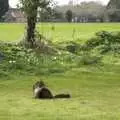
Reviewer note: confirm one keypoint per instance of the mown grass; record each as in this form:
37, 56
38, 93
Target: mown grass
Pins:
95, 96
61, 31
95, 90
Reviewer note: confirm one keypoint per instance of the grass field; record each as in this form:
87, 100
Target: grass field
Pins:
61, 32
95, 96
95, 91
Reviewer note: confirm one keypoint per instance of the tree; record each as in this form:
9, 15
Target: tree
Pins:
113, 10
83, 12
30, 8
4, 6
114, 4
46, 15
69, 15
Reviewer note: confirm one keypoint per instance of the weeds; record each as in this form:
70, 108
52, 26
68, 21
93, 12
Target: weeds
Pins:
104, 42
17, 58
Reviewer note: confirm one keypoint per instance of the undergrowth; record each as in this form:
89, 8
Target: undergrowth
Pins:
104, 42
15, 58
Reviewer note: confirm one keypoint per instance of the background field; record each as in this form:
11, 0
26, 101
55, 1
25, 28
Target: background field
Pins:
95, 90
61, 32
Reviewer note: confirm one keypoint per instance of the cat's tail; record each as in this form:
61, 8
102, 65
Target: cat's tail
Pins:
62, 96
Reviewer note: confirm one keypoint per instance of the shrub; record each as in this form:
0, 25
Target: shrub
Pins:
103, 42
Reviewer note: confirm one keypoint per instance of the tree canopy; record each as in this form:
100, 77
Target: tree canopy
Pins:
91, 11
3, 7
30, 6
113, 9
69, 15
114, 4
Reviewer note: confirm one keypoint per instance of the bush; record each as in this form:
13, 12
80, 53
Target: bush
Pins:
72, 47
104, 42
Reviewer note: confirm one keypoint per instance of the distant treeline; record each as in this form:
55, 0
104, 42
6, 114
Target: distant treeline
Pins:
83, 12
88, 12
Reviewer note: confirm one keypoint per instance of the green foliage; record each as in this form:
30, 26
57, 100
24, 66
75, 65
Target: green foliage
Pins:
18, 58
88, 59
104, 42
72, 47
22, 60
30, 7
68, 55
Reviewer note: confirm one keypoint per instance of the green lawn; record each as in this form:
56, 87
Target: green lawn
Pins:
95, 96
62, 31
95, 91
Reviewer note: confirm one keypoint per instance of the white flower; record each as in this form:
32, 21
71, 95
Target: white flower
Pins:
10, 61
59, 53
28, 60
55, 58
13, 61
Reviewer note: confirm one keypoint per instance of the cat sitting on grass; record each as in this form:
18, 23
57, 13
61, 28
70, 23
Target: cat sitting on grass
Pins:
40, 91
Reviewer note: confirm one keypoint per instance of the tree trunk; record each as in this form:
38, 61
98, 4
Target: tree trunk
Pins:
31, 25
